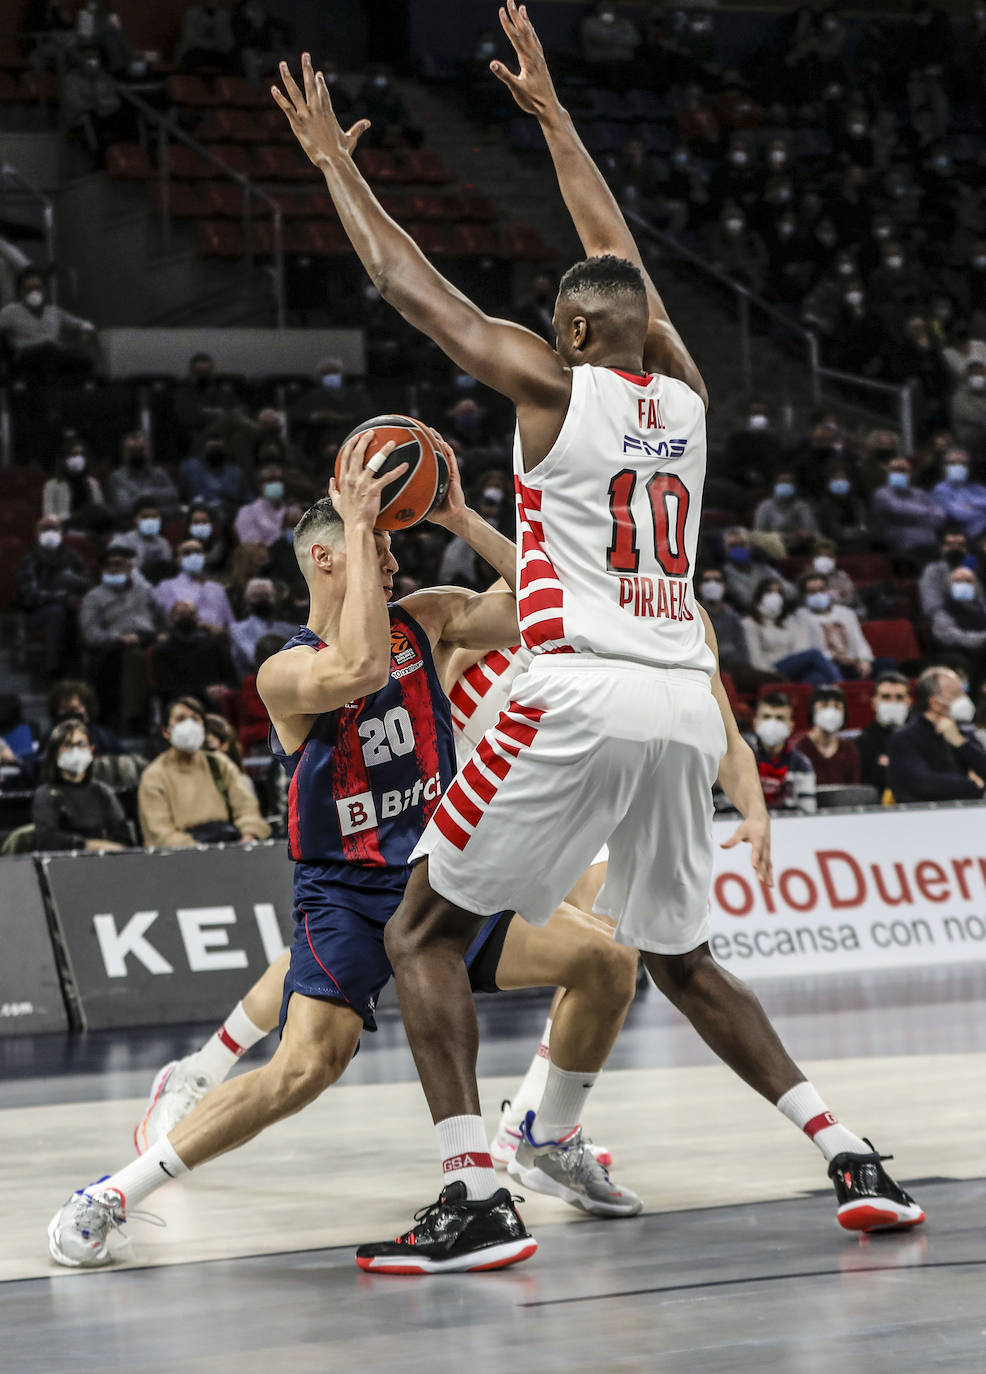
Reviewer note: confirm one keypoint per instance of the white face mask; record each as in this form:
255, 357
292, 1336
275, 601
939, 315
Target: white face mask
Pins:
35, 299
772, 732
75, 760
830, 719
962, 710
824, 564
712, 591
771, 605
891, 712
50, 539
188, 735
758, 422
76, 462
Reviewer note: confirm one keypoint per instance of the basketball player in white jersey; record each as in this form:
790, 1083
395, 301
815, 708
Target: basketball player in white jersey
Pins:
613, 734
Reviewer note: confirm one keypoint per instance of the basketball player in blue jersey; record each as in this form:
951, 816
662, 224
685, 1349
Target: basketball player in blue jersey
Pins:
363, 726
618, 706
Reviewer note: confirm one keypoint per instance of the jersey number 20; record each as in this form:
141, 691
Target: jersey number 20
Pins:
669, 499
382, 739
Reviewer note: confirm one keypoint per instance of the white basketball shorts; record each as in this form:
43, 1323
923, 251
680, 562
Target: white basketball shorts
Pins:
588, 750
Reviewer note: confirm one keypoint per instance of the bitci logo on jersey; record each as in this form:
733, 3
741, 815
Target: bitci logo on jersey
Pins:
361, 811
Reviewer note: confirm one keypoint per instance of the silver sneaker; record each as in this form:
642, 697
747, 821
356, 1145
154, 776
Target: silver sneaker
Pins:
78, 1235
569, 1170
175, 1091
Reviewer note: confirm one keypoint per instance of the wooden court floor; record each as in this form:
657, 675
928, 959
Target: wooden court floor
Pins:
736, 1263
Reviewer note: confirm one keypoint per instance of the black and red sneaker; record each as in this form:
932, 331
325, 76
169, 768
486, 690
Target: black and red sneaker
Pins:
869, 1199
454, 1235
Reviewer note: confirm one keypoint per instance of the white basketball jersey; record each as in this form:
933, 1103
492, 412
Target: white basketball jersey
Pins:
608, 524
480, 694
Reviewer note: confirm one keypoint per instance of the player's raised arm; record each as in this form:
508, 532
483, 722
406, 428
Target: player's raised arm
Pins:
512, 360
598, 219
739, 776
356, 659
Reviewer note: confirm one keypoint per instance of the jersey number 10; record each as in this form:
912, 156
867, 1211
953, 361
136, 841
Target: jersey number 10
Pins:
669, 499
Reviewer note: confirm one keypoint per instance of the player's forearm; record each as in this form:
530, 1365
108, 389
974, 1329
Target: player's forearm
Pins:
364, 623
739, 778
499, 551
397, 267
598, 219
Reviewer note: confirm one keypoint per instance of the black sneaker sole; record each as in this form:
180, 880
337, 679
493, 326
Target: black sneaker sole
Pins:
490, 1257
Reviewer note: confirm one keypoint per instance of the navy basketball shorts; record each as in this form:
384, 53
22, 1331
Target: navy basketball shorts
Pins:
338, 954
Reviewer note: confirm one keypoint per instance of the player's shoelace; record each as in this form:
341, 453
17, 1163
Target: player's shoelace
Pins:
106, 1215
424, 1216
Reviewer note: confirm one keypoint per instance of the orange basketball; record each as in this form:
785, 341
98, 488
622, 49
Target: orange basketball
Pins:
407, 501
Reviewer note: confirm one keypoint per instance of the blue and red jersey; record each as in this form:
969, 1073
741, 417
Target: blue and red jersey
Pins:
368, 777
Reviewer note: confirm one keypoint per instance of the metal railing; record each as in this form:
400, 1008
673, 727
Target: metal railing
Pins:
165, 130
901, 398
16, 190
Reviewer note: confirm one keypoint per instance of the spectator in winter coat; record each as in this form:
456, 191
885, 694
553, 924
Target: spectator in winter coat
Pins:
138, 479
73, 494
935, 586
786, 776
71, 810
930, 758
51, 580
891, 706
145, 540
960, 624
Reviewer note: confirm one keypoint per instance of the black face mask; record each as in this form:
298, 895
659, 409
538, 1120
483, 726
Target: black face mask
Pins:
955, 557
185, 628
137, 458
215, 457
263, 609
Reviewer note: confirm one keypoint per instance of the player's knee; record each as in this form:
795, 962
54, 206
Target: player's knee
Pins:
676, 974
620, 971
301, 1077
607, 973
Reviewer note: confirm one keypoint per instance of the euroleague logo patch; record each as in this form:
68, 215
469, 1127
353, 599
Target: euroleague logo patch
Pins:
403, 654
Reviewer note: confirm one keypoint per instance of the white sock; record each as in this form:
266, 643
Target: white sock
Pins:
531, 1088
220, 1052
159, 1163
465, 1155
560, 1109
803, 1105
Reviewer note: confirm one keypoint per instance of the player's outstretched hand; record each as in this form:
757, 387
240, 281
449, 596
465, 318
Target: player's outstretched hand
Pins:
357, 491
755, 831
452, 510
312, 118
531, 87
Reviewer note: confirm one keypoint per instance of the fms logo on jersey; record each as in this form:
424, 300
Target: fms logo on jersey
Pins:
404, 656
664, 448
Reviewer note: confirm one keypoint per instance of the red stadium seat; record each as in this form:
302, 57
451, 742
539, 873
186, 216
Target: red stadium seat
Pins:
236, 157
859, 704
474, 240
223, 198
273, 126
129, 161
19, 514
524, 242
327, 240
798, 694
40, 86
235, 126
377, 165
13, 547
184, 200
220, 239
187, 164
477, 207
433, 239
428, 206
236, 90
189, 91
424, 166
85, 547
892, 639
26, 483
275, 163
866, 567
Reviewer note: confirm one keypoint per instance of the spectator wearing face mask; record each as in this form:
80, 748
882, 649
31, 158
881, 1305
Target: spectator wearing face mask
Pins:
145, 540
745, 567
137, 480
754, 452
783, 643
786, 775
262, 520
327, 412
73, 494
214, 478
963, 501
41, 338
840, 585
51, 580
72, 698
930, 758
734, 655
204, 526
379, 102
935, 586
190, 658
834, 760
118, 620
282, 565
608, 39
959, 625
907, 519
191, 585
188, 796
71, 809
207, 39
841, 512
891, 707
968, 408
786, 514
842, 635
536, 311
261, 618
201, 400
737, 250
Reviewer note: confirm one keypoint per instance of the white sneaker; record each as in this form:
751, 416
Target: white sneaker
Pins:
568, 1169
503, 1146
174, 1093
78, 1234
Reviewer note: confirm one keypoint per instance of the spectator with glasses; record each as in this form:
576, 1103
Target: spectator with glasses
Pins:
71, 809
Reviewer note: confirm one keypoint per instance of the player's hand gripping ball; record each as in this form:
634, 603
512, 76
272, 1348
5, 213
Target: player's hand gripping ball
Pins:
412, 497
